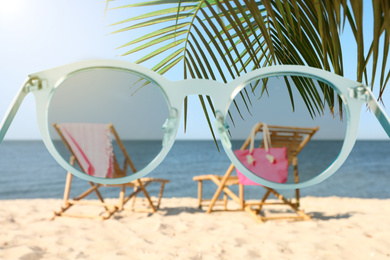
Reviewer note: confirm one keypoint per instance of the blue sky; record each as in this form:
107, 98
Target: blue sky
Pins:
41, 34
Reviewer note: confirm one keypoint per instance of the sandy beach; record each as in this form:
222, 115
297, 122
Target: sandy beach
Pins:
341, 228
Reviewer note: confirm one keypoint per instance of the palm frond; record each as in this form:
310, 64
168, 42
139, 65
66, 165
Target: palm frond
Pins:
221, 39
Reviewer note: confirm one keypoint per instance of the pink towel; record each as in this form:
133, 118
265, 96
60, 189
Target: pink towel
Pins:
91, 144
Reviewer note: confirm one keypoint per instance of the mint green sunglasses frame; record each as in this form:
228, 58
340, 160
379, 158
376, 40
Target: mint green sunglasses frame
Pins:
43, 85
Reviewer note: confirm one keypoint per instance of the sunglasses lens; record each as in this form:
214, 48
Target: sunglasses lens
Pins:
307, 122
107, 118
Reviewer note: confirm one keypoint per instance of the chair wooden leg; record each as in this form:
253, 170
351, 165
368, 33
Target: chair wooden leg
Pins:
131, 196
296, 178
294, 206
122, 197
282, 198
253, 214
200, 184
87, 192
220, 188
225, 200
68, 184
160, 194
147, 196
265, 197
98, 193
297, 196
134, 197
241, 196
65, 204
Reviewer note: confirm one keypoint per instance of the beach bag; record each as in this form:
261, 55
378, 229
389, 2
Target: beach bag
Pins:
268, 163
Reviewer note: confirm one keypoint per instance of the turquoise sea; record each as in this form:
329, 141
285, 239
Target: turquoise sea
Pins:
27, 170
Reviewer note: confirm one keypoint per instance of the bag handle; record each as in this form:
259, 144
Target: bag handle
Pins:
266, 136
266, 139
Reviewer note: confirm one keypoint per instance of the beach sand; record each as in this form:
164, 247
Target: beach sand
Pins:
341, 228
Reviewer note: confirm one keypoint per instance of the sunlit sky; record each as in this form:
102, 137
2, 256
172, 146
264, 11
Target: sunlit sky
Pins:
41, 34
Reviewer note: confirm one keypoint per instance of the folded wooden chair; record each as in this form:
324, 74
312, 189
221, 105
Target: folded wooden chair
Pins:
295, 139
116, 171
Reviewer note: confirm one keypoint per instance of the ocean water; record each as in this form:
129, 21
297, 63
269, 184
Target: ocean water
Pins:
27, 170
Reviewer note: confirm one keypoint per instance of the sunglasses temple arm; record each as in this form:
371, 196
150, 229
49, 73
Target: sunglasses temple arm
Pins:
379, 113
10, 114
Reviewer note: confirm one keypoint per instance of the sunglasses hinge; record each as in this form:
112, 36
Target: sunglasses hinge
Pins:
360, 93
33, 84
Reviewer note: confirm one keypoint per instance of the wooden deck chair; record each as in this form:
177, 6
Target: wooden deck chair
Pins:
295, 139
110, 208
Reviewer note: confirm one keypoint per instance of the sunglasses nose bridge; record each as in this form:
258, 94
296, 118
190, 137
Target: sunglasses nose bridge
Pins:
199, 86
217, 91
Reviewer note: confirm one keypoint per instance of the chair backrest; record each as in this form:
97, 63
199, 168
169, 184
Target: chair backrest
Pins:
293, 138
91, 146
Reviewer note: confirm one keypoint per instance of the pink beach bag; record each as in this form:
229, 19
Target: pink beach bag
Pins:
268, 163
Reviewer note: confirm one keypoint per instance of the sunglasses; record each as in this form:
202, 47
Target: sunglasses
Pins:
145, 108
